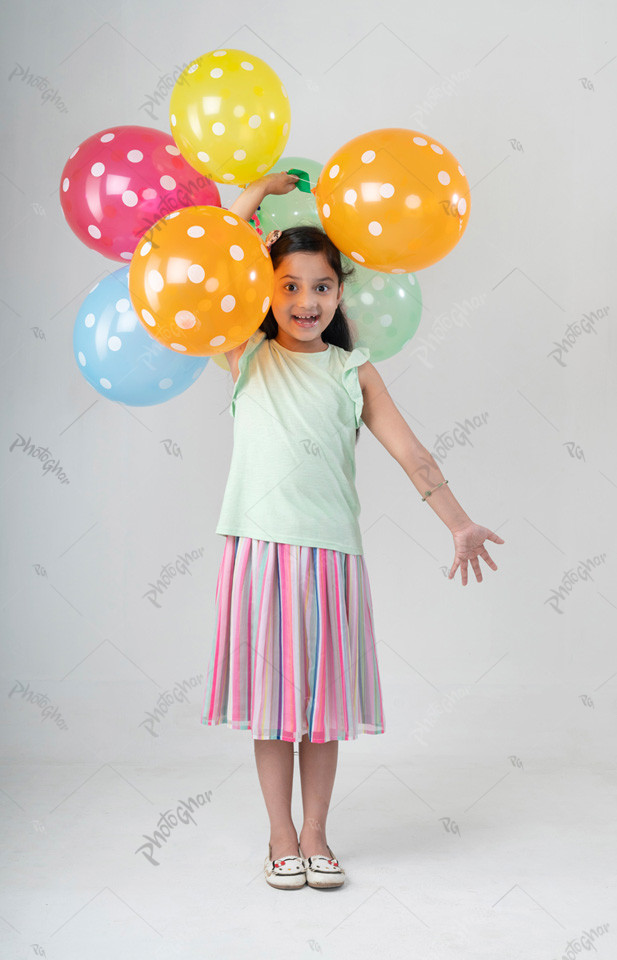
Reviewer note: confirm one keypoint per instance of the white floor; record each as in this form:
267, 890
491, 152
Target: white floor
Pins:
446, 858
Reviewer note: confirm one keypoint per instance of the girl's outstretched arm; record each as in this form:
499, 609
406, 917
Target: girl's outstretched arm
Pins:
246, 204
382, 417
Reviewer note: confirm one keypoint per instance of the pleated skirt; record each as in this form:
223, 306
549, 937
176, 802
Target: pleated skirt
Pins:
293, 650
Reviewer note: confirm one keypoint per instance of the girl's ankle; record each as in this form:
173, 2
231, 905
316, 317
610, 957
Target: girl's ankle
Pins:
313, 828
286, 841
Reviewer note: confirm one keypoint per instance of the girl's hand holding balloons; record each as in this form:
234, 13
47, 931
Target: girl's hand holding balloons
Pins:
250, 198
279, 183
468, 546
298, 207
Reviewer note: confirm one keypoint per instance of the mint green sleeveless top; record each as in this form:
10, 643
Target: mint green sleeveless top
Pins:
293, 468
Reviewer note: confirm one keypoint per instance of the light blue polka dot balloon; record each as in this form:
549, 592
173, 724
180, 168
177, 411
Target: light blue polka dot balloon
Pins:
117, 355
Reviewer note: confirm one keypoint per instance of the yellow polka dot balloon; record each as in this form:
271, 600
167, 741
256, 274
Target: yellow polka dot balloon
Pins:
229, 116
393, 200
203, 282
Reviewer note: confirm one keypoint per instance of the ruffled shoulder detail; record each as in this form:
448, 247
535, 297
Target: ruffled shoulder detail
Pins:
351, 383
251, 345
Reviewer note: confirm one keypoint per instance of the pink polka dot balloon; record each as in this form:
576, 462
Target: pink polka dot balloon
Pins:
121, 181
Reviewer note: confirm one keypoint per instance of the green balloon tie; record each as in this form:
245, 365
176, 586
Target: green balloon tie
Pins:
303, 184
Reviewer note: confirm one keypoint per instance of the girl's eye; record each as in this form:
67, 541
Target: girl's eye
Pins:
324, 285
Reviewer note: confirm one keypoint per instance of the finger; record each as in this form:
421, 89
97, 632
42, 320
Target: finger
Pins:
453, 568
464, 572
483, 552
475, 563
493, 536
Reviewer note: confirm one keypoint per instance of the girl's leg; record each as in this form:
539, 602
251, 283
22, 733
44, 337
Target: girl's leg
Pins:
317, 771
275, 767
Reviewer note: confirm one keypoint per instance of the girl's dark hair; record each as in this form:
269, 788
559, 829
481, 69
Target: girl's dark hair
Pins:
311, 239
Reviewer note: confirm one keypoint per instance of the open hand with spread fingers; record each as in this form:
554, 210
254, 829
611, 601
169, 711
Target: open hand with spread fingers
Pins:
469, 546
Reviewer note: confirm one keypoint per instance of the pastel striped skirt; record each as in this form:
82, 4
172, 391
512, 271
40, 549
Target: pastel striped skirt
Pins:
293, 651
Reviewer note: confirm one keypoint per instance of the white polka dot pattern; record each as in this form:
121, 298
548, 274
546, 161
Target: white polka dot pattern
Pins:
196, 273
235, 103
114, 184
382, 198
216, 299
110, 343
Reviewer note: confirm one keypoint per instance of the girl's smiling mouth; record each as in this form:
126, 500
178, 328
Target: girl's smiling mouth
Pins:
307, 320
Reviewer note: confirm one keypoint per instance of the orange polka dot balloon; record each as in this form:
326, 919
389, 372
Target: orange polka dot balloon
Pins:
393, 200
202, 282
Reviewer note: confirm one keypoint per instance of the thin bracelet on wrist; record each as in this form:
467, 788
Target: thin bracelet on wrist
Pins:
429, 492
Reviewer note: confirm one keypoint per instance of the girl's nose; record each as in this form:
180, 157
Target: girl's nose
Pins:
307, 302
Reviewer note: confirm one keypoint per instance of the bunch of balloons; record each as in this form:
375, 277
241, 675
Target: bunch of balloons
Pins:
392, 201
197, 278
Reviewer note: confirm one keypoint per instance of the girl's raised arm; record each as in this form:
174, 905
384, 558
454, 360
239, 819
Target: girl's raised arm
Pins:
250, 198
245, 206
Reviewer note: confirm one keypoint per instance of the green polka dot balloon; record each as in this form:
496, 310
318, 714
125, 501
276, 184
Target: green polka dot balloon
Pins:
298, 207
384, 308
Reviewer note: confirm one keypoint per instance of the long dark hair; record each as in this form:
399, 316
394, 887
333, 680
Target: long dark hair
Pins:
311, 239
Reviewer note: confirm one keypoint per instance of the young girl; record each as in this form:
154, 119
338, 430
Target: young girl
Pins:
294, 652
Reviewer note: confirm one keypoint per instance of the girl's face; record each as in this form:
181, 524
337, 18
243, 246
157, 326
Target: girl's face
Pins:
305, 287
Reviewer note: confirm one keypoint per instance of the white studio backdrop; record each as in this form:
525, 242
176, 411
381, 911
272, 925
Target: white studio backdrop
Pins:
509, 380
